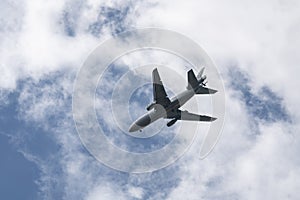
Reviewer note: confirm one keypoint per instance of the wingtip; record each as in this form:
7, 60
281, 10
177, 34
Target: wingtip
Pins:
191, 70
213, 119
212, 91
205, 118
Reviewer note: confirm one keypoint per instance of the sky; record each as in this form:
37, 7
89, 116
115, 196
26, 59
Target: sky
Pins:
254, 45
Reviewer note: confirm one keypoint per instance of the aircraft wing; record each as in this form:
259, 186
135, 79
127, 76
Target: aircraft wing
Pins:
159, 93
185, 115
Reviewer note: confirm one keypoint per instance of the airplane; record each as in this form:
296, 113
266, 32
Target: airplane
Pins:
163, 107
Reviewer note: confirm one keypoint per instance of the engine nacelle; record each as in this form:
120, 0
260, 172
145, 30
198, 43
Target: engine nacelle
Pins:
149, 107
202, 79
172, 122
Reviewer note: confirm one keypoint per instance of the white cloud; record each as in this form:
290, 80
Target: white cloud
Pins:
268, 170
105, 192
136, 192
34, 42
260, 37
262, 168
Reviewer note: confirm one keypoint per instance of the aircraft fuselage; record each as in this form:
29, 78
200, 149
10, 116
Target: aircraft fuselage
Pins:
159, 111
163, 107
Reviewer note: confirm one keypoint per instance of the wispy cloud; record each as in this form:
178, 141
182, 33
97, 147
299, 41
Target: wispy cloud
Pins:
42, 46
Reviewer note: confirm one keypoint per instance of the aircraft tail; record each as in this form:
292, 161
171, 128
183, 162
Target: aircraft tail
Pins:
197, 85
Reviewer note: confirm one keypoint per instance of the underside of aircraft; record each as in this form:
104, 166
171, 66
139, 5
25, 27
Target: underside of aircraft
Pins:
164, 107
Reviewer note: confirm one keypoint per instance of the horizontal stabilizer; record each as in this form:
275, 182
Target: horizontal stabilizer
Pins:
204, 90
193, 82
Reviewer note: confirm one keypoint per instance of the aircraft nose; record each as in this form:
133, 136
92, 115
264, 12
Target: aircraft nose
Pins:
134, 127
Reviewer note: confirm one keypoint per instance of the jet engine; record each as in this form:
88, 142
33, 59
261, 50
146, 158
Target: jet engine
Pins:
149, 107
172, 122
202, 79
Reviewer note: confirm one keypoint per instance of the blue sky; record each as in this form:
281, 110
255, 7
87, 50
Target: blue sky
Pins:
255, 47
